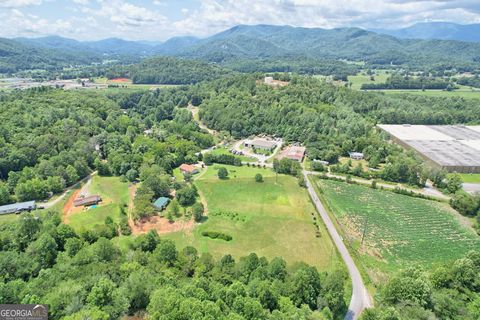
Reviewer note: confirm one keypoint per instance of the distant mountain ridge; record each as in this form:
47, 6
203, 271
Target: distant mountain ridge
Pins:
436, 30
264, 44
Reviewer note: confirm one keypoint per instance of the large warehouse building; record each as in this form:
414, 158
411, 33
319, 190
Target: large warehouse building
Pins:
453, 148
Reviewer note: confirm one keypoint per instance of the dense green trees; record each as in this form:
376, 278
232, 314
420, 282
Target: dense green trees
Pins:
52, 138
450, 291
153, 275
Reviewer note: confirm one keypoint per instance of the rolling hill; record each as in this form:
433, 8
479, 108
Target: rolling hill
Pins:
436, 30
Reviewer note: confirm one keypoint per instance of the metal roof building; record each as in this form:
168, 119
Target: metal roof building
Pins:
453, 148
18, 207
161, 203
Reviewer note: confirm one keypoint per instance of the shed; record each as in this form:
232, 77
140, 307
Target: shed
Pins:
18, 207
161, 203
87, 201
356, 155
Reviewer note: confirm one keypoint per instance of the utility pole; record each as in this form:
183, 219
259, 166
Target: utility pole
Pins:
365, 228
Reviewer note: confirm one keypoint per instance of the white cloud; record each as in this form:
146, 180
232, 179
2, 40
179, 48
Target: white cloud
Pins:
18, 3
128, 19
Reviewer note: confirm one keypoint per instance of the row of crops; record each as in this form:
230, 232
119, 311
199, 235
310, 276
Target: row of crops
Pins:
403, 228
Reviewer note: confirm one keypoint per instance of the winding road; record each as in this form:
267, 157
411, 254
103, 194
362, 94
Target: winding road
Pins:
360, 297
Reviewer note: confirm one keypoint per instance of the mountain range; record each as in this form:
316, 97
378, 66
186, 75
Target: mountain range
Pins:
436, 30
245, 43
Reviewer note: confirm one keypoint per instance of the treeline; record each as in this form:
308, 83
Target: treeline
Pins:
51, 138
168, 70
470, 81
330, 121
448, 291
152, 276
407, 83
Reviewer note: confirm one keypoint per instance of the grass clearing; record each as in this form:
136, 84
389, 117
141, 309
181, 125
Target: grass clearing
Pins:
470, 177
114, 194
360, 79
272, 218
399, 230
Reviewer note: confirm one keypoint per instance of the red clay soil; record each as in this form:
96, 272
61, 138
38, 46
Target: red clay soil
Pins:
162, 225
68, 207
120, 80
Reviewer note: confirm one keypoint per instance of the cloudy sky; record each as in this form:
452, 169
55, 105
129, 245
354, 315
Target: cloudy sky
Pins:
162, 19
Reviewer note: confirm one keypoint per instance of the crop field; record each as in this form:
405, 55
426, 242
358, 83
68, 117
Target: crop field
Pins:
398, 229
271, 218
461, 93
114, 194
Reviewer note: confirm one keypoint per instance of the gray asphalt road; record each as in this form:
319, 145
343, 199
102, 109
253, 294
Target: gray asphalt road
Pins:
360, 297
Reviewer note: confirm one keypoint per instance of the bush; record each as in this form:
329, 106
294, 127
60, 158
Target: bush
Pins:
258, 177
222, 173
217, 235
198, 210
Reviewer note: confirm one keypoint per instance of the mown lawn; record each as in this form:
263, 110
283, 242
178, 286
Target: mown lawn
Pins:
470, 177
272, 219
114, 194
399, 230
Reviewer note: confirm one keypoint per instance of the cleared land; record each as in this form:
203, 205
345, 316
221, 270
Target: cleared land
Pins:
399, 229
272, 218
114, 194
470, 177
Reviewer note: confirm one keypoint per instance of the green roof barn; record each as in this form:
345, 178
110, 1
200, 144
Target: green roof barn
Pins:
161, 203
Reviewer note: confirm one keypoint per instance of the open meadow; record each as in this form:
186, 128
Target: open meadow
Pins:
114, 194
397, 229
271, 218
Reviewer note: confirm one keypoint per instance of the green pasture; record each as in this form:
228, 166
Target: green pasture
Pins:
114, 194
272, 218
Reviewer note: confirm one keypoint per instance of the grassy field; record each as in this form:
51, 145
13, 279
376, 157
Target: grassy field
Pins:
360, 79
114, 193
272, 218
470, 178
462, 93
399, 229
129, 85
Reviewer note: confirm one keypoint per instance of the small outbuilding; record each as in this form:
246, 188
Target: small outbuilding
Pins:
87, 201
188, 168
18, 207
161, 203
295, 153
356, 155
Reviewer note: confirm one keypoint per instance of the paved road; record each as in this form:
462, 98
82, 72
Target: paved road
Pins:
360, 297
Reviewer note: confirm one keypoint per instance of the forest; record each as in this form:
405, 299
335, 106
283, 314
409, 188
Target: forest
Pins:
45, 261
53, 137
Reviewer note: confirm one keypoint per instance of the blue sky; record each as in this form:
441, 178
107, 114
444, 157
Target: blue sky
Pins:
162, 19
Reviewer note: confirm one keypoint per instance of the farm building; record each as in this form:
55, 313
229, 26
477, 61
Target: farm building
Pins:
161, 203
188, 168
294, 153
356, 155
263, 144
87, 201
455, 148
18, 207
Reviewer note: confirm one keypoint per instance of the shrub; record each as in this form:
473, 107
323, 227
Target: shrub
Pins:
258, 177
217, 235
